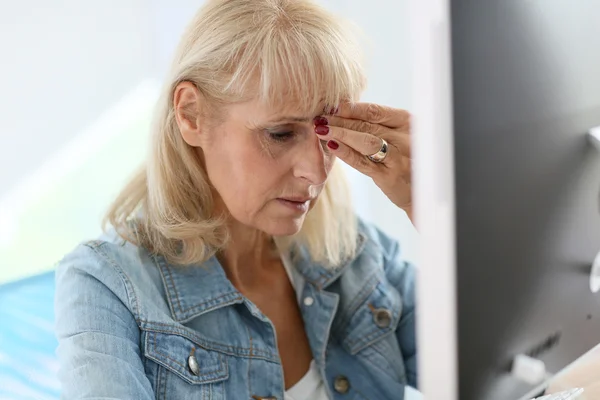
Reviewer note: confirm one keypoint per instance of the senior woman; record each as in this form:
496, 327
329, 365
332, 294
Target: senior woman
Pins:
234, 266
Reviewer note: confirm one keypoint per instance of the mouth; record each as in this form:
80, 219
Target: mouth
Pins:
299, 200
296, 204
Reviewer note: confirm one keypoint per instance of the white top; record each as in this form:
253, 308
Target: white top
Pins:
311, 385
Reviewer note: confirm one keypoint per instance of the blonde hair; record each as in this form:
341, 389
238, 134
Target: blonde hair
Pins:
237, 50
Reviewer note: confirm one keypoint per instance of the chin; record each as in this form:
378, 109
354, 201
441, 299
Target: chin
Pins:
285, 226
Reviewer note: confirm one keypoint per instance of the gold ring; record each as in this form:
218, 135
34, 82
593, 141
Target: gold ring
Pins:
381, 154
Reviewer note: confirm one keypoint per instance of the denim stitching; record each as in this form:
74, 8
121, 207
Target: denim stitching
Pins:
369, 339
363, 338
131, 297
323, 279
155, 348
361, 298
377, 366
158, 382
208, 345
365, 292
249, 359
163, 355
375, 333
210, 301
172, 285
165, 283
216, 373
165, 384
174, 288
329, 327
265, 355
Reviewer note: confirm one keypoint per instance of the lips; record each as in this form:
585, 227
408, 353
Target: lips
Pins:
297, 199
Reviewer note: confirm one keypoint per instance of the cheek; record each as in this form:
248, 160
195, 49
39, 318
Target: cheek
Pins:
242, 174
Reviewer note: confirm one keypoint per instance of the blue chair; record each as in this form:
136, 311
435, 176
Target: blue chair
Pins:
28, 363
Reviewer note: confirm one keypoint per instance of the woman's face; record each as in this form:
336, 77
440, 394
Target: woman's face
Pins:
267, 165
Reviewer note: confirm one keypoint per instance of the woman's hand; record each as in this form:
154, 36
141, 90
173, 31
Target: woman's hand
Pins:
355, 131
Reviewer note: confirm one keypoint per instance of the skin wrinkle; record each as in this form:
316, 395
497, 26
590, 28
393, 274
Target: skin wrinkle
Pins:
267, 167
268, 155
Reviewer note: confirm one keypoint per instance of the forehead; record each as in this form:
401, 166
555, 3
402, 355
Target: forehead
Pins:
291, 110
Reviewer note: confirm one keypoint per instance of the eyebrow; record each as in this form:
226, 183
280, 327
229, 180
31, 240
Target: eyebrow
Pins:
279, 120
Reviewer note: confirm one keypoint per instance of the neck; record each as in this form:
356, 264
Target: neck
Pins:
249, 255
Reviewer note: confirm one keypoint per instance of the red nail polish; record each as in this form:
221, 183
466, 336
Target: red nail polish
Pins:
322, 129
334, 111
332, 144
321, 121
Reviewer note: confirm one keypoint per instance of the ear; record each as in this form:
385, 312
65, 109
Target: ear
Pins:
187, 102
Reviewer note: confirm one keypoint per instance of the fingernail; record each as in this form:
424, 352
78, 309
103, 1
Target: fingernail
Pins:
334, 111
333, 145
322, 129
321, 121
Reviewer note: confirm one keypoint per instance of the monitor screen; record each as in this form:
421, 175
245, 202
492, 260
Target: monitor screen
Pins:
525, 90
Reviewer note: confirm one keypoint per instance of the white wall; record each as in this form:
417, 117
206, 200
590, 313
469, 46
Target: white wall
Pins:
169, 18
386, 26
62, 64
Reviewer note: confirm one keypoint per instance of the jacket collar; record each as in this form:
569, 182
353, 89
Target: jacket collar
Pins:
321, 276
197, 289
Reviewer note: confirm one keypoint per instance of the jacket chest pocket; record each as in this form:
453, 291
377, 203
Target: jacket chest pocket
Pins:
183, 369
370, 329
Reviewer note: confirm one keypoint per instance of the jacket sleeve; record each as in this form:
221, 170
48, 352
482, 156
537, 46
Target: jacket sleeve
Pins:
401, 275
98, 337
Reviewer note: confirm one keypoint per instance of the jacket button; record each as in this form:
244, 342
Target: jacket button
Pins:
341, 384
193, 365
383, 318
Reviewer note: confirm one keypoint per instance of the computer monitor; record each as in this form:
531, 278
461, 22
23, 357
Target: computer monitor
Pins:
506, 189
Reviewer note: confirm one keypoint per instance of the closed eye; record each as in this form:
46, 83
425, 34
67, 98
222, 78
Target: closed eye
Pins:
281, 136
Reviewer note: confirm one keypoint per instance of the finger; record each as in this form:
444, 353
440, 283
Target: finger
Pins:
364, 143
403, 143
398, 138
353, 158
375, 114
358, 125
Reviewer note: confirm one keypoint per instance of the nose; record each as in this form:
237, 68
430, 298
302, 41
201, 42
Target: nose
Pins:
312, 163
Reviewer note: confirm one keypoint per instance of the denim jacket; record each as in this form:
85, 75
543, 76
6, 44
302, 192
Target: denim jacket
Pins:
132, 326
